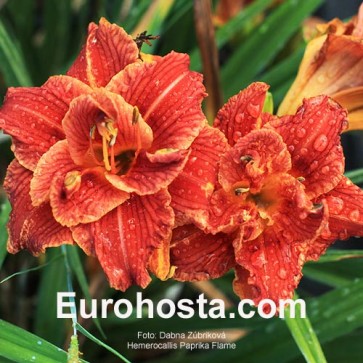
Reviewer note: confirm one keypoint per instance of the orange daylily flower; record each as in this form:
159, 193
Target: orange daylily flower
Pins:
95, 151
332, 65
281, 198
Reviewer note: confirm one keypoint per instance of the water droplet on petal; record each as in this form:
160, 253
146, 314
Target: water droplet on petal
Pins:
200, 172
291, 148
320, 143
239, 118
321, 78
254, 109
236, 136
336, 204
325, 169
303, 151
282, 273
354, 215
300, 132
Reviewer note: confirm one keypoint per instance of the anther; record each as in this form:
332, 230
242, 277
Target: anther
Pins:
301, 179
317, 206
246, 158
135, 115
239, 191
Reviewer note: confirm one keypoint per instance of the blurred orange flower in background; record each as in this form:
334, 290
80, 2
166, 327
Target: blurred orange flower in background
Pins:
332, 65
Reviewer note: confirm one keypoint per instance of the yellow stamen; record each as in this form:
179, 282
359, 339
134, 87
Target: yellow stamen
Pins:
109, 134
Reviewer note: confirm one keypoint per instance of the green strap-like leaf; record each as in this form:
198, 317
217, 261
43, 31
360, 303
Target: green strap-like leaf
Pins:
228, 30
20, 346
338, 255
12, 64
356, 176
304, 336
78, 271
264, 43
4, 215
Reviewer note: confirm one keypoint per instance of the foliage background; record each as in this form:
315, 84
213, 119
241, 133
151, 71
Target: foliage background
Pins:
262, 42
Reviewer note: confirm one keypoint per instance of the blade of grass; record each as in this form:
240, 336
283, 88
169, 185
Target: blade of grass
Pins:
78, 271
228, 30
338, 255
304, 336
263, 44
12, 63
283, 70
335, 274
356, 176
333, 315
4, 215
53, 280
101, 343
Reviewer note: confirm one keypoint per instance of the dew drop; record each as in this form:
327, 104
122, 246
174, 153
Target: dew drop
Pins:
320, 143
237, 135
282, 273
303, 151
301, 132
200, 172
239, 118
350, 318
254, 109
291, 148
321, 78
354, 215
337, 204
132, 227
314, 165
217, 211
325, 169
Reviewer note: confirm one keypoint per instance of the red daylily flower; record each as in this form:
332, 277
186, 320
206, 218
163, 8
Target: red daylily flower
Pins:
281, 197
95, 151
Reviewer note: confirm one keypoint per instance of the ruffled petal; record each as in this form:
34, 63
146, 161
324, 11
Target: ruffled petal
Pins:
151, 172
254, 157
313, 139
108, 50
33, 116
285, 206
200, 256
271, 268
168, 96
125, 238
83, 197
192, 189
229, 212
241, 114
32, 228
83, 236
345, 203
56, 161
